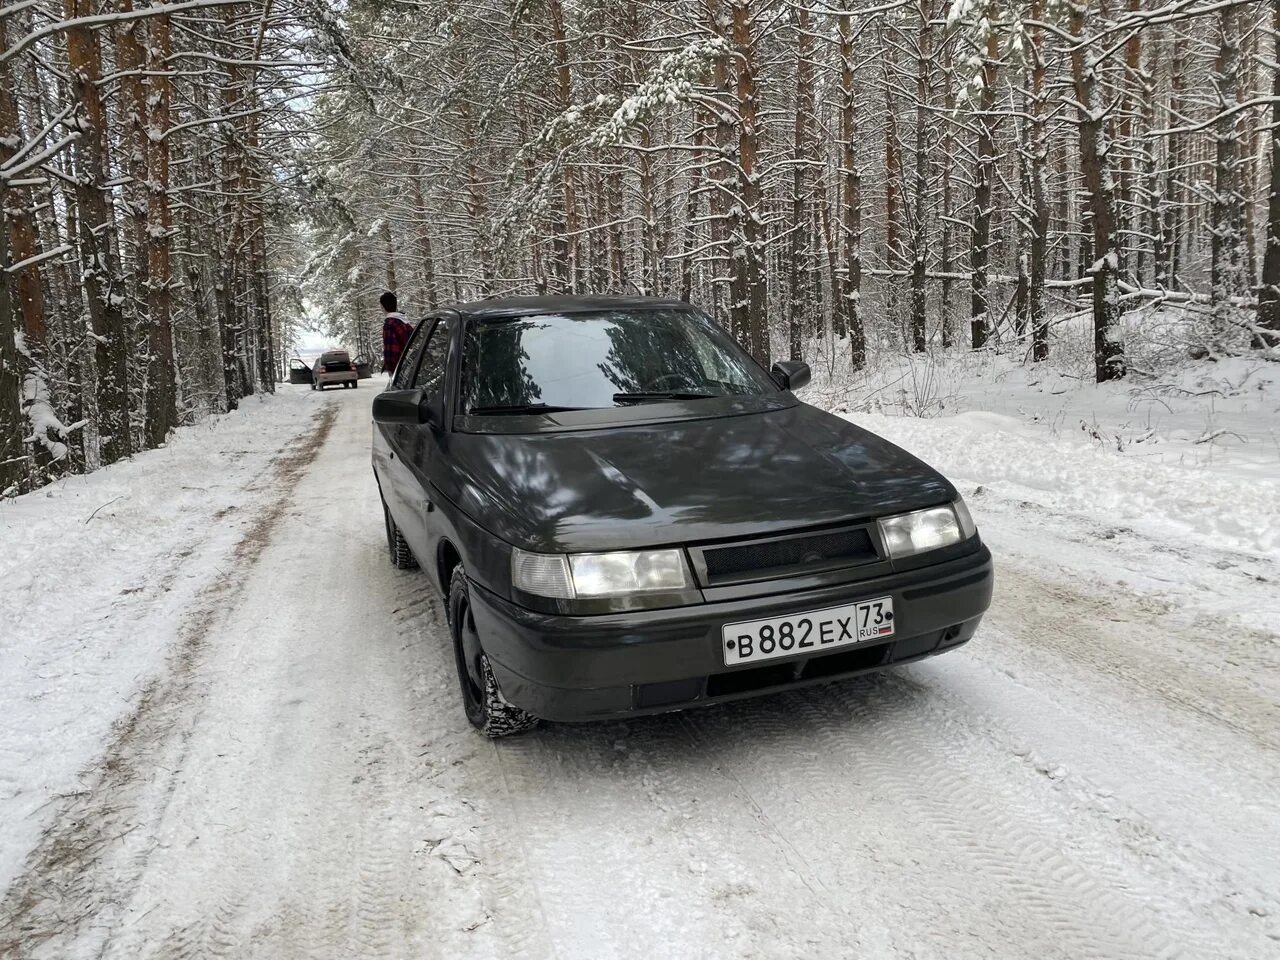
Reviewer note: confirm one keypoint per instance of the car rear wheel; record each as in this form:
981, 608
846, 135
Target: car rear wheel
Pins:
401, 556
483, 701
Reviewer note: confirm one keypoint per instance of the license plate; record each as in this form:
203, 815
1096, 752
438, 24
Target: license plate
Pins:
811, 632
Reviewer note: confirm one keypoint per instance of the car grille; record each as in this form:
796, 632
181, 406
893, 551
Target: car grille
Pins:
786, 556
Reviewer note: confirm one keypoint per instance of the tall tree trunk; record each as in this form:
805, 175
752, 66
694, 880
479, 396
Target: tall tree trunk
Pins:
746, 271
801, 155
262, 305
1038, 215
1172, 225
984, 174
161, 393
1247, 174
830, 253
567, 243
694, 186
849, 277
98, 258
919, 237
1126, 211
424, 240
894, 180
1225, 268
721, 174
649, 225
231, 211
1108, 353
16, 204
1153, 185
389, 252
135, 148
948, 196
477, 205
13, 459
1268, 328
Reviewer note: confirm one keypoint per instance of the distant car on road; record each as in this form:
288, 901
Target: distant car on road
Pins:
331, 367
626, 514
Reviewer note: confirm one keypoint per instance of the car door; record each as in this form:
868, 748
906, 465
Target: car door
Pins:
299, 372
394, 478
417, 449
425, 444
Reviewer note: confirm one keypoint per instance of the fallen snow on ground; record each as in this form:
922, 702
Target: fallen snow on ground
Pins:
1092, 776
1194, 455
96, 574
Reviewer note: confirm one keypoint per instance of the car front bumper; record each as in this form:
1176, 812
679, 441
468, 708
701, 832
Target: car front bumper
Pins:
650, 661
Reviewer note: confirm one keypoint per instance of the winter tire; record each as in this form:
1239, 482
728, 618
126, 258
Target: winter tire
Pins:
483, 701
401, 556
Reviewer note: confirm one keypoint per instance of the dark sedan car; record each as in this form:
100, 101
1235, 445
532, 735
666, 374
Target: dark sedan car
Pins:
627, 514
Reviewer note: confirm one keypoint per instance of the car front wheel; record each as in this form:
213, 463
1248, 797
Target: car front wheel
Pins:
483, 701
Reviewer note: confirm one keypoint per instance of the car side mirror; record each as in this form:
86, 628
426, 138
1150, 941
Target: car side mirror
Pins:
399, 406
791, 374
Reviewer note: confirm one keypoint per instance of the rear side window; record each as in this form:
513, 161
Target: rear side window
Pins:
434, 360
409, 359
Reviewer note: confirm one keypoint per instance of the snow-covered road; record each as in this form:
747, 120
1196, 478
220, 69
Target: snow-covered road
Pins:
1095, 776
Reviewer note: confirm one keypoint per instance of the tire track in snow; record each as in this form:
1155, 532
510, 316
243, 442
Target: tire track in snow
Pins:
471, 812
378, 865
1235, 597
1007, 838
869, 737
601, 805
305, 829
1068, 623
85, 863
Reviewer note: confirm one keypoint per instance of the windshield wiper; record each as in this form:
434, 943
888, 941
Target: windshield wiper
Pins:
519, 409
642, 396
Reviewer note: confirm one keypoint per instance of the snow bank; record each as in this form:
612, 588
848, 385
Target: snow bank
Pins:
1025, 461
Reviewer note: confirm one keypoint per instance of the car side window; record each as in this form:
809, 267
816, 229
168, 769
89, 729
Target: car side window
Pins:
409, 359
435, 358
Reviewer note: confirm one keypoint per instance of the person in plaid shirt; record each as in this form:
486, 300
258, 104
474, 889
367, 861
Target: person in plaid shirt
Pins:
395, 333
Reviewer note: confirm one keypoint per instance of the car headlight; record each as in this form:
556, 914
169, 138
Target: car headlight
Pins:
921, 530
595, 575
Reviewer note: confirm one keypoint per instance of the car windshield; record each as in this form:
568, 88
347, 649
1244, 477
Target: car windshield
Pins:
602, 359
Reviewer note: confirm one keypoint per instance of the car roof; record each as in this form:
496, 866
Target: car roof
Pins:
502, 307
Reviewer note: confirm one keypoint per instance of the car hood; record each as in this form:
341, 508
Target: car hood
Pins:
684, 481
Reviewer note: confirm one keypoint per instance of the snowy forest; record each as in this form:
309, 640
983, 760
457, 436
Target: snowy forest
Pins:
188, 184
